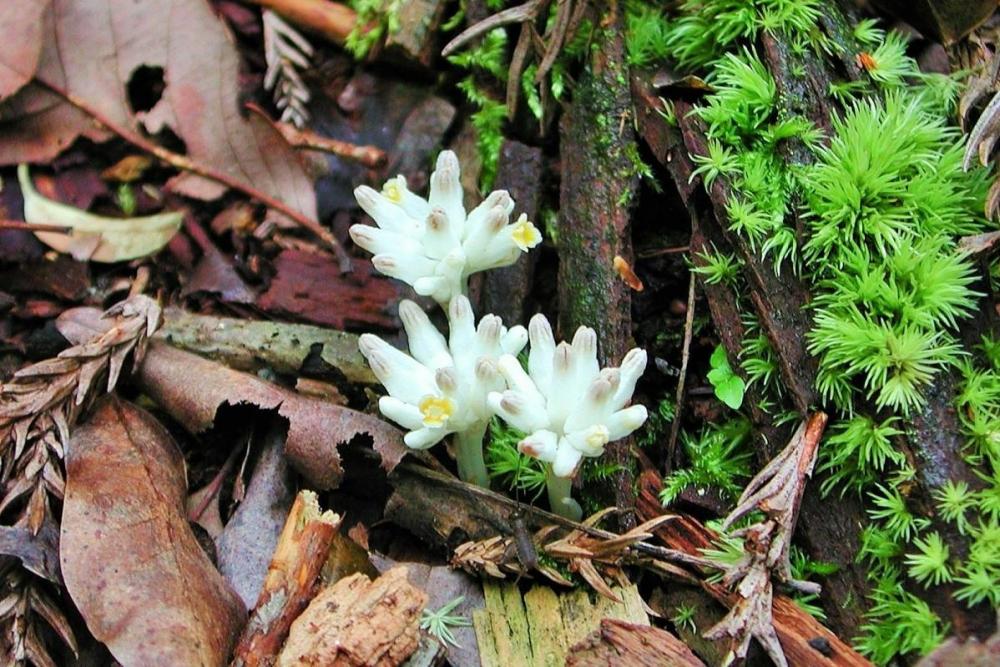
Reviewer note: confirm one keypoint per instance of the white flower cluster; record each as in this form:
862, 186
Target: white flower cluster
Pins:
567, 404
442, 387
432, 244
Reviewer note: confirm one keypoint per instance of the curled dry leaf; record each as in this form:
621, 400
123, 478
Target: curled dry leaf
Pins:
95, 237
129, 558
192, 389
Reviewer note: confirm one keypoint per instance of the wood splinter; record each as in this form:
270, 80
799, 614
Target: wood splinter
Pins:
291, 581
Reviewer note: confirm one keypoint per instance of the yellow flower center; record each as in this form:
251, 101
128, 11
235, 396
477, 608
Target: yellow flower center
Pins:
392, 192
598, 436
436, 410
525, 234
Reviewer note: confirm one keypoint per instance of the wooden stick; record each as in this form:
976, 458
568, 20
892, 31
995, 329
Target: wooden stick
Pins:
291, 581
685, 357
370, 156
330, 19
185, 163
30, 227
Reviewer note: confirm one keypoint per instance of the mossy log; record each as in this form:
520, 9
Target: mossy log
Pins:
599, 180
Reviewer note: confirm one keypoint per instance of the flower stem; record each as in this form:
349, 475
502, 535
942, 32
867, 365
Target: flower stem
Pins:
560, 499
469, 452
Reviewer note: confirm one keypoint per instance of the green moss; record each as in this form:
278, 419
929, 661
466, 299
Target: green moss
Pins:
376, 19
883, 203
708, 28
719, 458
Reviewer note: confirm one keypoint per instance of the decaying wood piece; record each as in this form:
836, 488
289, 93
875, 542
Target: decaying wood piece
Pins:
358, 622
445, 512
598, 184
291, 581
417, 37
249, 345
538, 628
620, 643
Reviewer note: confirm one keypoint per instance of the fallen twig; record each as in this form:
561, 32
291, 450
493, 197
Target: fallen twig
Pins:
333, 20
185, 163
29, 227
675, 427
370, 156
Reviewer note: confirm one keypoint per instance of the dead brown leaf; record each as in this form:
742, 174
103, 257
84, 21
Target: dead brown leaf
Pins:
21, 19
38, 553
246, 544
191, 389
92, 48
130, 561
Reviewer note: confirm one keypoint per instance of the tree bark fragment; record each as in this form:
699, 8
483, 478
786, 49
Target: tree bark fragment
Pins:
620, 643
291, 581
358, 622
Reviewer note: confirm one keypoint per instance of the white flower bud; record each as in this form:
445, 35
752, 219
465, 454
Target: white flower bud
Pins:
437, 390
565, 402
432, 244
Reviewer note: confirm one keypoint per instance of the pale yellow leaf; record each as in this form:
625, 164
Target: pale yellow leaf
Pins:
95, 237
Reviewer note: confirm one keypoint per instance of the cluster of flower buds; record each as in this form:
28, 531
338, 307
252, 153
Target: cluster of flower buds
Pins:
432, 244
569, 407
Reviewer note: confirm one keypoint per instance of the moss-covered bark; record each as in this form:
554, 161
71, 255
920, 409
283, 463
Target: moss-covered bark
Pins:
599, 180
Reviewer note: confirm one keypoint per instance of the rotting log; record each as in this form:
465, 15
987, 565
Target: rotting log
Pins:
599, 181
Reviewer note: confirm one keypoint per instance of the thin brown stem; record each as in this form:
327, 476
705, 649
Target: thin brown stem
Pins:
27, 226
370, 156
685, 357
185, 163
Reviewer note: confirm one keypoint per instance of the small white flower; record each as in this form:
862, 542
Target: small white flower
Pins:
441, 386
431, 243
569, 407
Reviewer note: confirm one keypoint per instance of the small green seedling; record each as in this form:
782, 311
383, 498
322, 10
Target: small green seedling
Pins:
729, 387
439, 623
